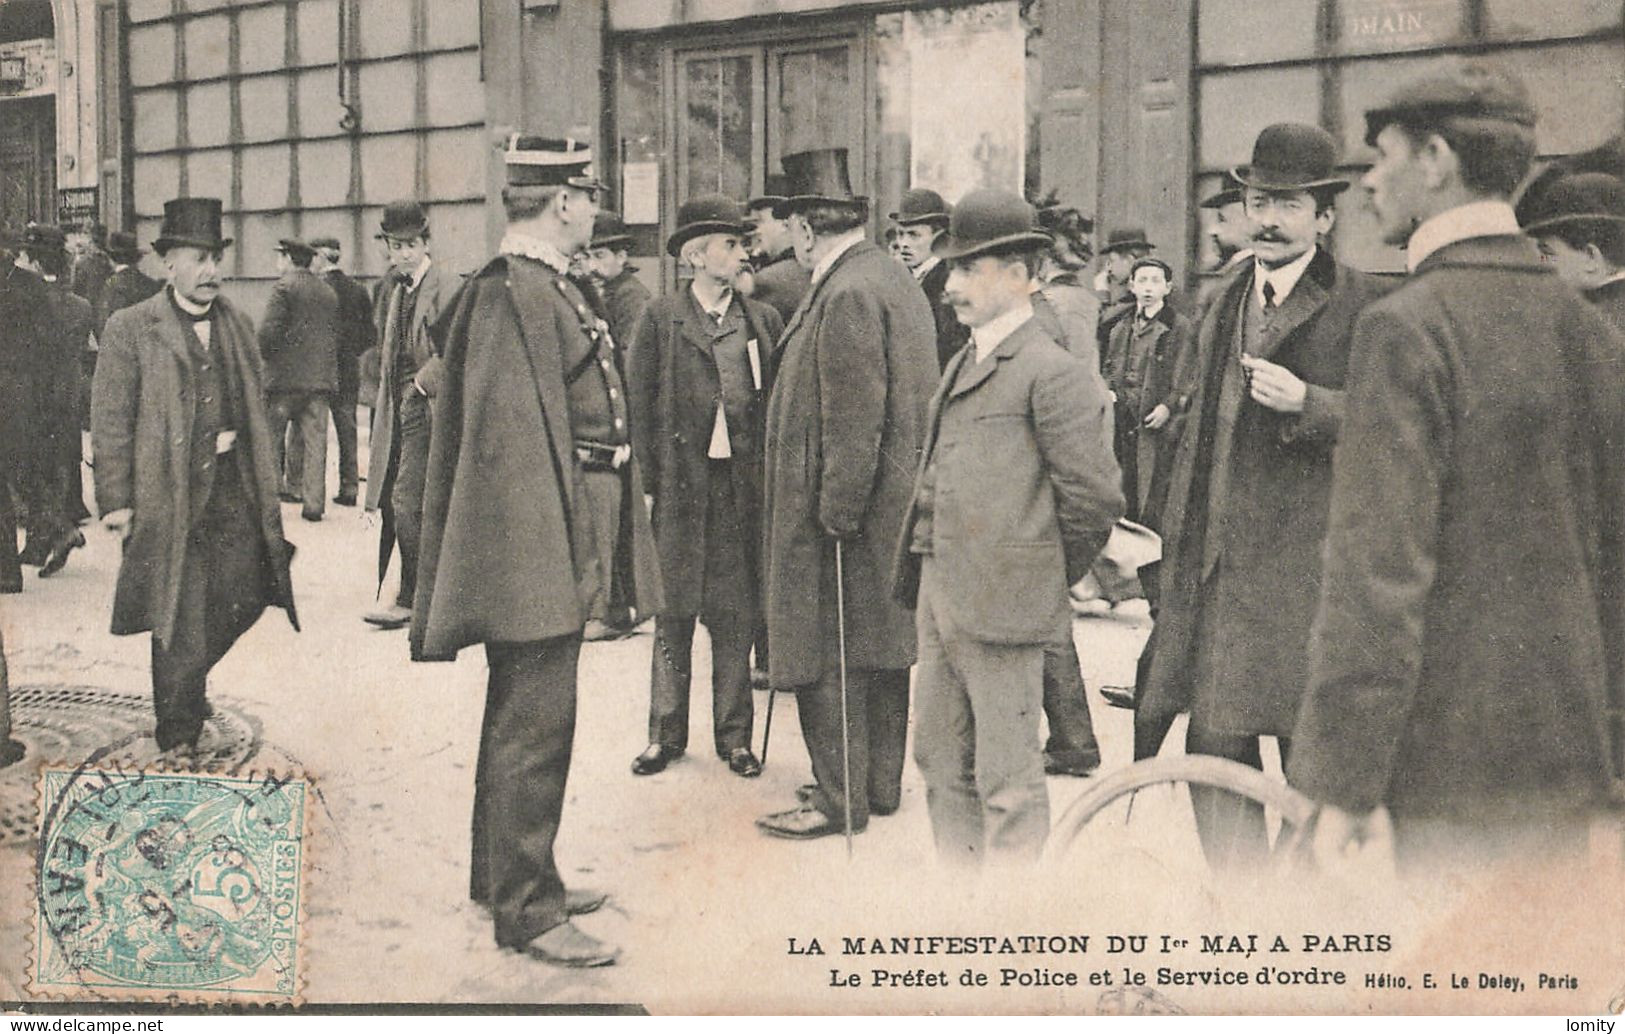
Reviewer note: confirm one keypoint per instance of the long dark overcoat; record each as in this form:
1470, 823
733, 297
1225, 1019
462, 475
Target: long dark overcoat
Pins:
433, 298
1279, 471
1155, 351
845, 429
782, 284
299, 334
141, 413
508, 553
673, 388
1471, 634
123, 289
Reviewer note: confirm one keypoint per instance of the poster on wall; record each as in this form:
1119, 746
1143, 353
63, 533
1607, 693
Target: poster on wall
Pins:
967, 134
28, 68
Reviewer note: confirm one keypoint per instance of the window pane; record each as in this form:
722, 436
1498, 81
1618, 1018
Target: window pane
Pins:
261, 37
1520, 19
1234, 106
716, 125
814, 107
208, 114
1369, 84
1576, 89
207, 42
1239, 32
1385, 26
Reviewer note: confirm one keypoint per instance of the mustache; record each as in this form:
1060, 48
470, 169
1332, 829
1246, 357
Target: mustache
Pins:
1270, 237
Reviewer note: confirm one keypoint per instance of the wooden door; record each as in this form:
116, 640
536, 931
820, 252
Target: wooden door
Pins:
27, 161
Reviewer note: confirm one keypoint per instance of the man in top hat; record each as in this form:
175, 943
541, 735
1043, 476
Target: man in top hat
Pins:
299, 342
186, 471
848, 406
624, 295
921, 218
1015, 495
409, 299
698, 377
1246, 506
777, 279
1580, 228
355, 334
528, 367
1123, 248
1480, 449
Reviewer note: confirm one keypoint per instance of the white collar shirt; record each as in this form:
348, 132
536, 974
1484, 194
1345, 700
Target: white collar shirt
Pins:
841, 245
1474, 219
924, 269
1283, 279
992, 334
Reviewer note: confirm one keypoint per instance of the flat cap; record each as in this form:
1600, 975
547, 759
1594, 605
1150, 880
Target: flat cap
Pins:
1471, 90
325, 243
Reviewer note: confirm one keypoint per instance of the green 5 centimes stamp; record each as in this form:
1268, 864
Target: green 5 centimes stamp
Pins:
177, 886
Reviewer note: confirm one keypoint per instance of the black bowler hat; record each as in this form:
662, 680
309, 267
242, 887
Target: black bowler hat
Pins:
1157, 263
1124, 239
1609, 157
708, 213
1584, 197
123, 247
608, 230
191, 222
921, 205
403, 221
988, 222
775, 192
540, 161
1472, 90
818, 178
1227, 196
1292, 156
39, 237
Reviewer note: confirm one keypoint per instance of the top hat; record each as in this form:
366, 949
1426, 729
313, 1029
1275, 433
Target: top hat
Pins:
708, 213
326, 244
1124, 239
818, 178
191, 222
921, 206
1472, 90
987, 222
123, 247
1583, 197
775, 192
539, 161
293, 247
1167, 270
608, 230
403, 221
1227, 196
1292, 156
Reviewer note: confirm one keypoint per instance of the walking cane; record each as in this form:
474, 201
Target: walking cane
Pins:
767, 727
846, 734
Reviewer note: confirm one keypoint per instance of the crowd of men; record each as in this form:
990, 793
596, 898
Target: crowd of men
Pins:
1391, 511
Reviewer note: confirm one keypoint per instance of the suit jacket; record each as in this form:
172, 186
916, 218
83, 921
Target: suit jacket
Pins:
433, 298
141, 414
1468, 647
1144, 369
124, 288
355, 330
1069, 313
624, 298
951, 334
845, 428
1025, 489
509, 548
1278, 469
1610, 298
26, 360
299, 334
782, 285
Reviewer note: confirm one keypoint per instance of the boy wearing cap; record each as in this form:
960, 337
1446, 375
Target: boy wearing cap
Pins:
1015, 495
1580, 228
1142, 360
698, 381
299, 341
355, 334
186, 472
1480, 450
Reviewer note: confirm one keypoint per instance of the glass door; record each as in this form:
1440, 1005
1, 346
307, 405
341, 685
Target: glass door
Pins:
719, 117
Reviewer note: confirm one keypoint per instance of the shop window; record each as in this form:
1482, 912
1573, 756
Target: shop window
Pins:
1548, 19
157, 179
208, 173
1243, 32
452, 176
1388, 26
1234, 105
638, 146
389, 167
814, 109
152, 55
384, 27
388, 95
455, 96
265, 177
452, 25
319, 107
256, 250
1576, 87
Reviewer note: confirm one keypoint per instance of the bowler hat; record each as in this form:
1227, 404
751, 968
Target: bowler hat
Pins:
539, 161
325, 244
608, 230
1584, 197
708, 213
1609, 157
123, 247
1472, 90
818, 178
1227, 196
39, 237
191, 222
987, 222
1292, 156
403, 221
921, 206
775, 192
1124, 239
295, 248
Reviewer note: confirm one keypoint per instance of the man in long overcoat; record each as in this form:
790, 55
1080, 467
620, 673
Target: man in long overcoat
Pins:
510, 552
186, 473
845, 426
299, 341
1480, 450
1246, 507
24, 350
697, 382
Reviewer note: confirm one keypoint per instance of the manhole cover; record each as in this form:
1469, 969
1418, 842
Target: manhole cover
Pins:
69, 724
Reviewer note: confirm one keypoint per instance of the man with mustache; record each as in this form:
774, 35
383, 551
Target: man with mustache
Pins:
186, 471
1246, 503
697, 388
921, 218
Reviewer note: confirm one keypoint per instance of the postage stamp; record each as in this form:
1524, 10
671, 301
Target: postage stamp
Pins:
180, 886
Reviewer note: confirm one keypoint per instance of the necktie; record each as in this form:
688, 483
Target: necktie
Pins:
1269, 296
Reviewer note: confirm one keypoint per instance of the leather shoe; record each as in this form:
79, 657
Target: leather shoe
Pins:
389, 617
1118, 696
741, 762
34, 552
807, 793
58, 557
11, 752
1070, 764
581, 901
565, 945
345, 499
310, 516
803, 823
655, 759
290, 497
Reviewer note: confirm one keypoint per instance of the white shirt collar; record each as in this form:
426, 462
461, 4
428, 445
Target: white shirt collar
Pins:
724, 303
924, 269
1474, 219
526, 246
841, 246
188, 305
419, 273
991, 334
1283, 279
1152, 314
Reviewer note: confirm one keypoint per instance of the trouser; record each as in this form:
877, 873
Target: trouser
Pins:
410, 462
11, 570
1126, 446
344, 427
1066, 707
733, 712
1232, 830
222, 594
976, 737
309, 410
524, 760
44, 492
877, 728
604, 501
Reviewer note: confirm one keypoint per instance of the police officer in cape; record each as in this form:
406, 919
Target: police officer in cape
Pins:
531, 410
186, 471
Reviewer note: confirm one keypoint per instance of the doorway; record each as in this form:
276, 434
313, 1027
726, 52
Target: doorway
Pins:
27, 161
